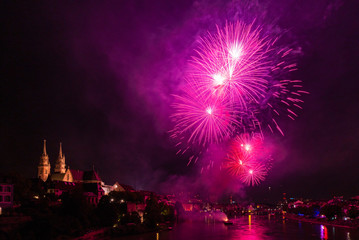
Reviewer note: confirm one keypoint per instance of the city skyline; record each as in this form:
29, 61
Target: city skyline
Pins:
96, 78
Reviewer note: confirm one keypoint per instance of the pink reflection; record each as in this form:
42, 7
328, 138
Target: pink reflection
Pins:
323, 232
249, 229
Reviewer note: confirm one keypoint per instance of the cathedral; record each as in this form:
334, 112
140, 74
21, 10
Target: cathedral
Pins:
62, 172
63, 179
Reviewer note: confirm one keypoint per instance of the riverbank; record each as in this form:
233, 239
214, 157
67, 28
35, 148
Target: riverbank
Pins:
123, 231
335, 223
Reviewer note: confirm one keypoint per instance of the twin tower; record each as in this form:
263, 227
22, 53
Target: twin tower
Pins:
44, 167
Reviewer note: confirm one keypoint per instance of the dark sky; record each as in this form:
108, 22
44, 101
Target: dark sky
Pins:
98, 76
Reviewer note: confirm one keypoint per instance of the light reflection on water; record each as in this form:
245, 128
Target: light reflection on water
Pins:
323, 232
250, 228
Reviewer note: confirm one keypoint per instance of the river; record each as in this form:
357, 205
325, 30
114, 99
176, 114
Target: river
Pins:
249, 228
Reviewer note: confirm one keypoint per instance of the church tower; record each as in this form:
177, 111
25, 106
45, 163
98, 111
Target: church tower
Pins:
44, 165
60, 166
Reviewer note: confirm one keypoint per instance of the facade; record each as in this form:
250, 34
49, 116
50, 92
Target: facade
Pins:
6, 195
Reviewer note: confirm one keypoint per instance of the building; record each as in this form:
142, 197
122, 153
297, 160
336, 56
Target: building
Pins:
62, 172
6, 195
93, 192
117, 188
66, 180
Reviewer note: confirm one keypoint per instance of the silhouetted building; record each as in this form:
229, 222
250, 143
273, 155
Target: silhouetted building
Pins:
6, 195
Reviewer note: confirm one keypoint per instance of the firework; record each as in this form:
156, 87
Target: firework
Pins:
254, 174
236, 83
233, 64
201, 120
241, 153
248, 159
237, 161
282, 98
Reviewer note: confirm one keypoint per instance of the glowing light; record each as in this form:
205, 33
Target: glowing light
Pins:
209, 110
218, 79
251, 171
323, 232
249, 220
247, 147
235, 51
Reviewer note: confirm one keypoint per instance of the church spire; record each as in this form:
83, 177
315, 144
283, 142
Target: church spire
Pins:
60, 152
44, 165
60, 166
44, 151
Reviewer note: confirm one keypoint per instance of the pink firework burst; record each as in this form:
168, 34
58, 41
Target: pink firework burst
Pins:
242, 153
254, 174
248, 159
236, 82
237, 161
202, 120
233, 64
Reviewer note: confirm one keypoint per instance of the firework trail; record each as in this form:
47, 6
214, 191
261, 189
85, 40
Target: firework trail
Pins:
283, 96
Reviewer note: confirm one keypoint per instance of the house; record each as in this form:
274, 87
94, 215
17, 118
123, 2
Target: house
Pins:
6, 195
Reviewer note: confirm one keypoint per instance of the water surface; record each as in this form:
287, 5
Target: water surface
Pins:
250, 228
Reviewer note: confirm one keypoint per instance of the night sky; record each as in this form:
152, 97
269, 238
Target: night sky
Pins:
99, 77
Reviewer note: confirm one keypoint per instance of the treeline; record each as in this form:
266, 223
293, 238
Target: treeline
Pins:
330, 211
72, 216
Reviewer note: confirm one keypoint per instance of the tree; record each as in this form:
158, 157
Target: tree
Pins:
331, 210
106, 212
353, 212
152, 214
